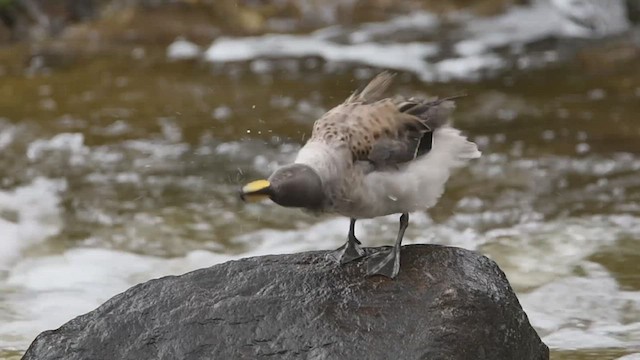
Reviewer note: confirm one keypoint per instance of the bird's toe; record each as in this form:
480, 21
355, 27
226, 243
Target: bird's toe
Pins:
385, 263
348, 252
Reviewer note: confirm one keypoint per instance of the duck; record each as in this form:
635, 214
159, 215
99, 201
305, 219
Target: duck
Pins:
368, 157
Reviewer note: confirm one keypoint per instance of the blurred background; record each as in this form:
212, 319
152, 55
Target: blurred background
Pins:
127, 126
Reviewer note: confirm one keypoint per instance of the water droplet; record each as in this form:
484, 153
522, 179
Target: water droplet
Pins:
596, 94
582, 148
548, 135
222, 113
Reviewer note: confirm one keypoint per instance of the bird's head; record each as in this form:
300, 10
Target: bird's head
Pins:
294, 185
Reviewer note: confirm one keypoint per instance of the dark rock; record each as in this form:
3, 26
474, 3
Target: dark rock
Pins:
447, 303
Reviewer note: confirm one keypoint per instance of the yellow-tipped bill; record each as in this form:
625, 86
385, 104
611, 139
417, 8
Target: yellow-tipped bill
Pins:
255, 191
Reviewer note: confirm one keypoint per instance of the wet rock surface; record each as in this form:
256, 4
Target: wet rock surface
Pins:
447, 303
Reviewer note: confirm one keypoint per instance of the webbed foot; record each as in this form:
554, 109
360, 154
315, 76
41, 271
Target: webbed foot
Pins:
385, 263
348, 252
351, 250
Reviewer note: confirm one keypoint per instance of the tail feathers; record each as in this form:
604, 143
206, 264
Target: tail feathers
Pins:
418, 184
434, 114
469, 151
465, 149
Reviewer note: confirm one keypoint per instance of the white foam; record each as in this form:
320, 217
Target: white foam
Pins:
635, 356
324, 235
71, 144
369, 44
28, 215
593, 18
156, 150
419, 22
469, 67
536, 253
182, 49
543, 19
7, 136
585, 312
519, 25
399, 56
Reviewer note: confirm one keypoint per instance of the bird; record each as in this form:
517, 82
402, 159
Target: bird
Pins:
371, 156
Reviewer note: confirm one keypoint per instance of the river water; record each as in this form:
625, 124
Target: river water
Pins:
123, 165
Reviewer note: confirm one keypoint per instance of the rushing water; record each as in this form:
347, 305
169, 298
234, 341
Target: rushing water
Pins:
123, 167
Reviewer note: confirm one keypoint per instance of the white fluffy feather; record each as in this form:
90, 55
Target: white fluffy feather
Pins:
418, 184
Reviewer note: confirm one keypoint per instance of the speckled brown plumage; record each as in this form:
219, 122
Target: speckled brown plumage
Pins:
384, 131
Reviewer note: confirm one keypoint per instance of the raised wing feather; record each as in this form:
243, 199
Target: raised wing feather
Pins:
384, 131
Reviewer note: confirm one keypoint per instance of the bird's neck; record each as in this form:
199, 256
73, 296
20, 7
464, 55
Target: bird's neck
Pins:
328, 161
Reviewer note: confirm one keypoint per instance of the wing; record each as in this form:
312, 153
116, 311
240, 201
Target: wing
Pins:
387, 131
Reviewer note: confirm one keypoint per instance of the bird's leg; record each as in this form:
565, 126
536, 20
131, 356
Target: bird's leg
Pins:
351, 250
388, 263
